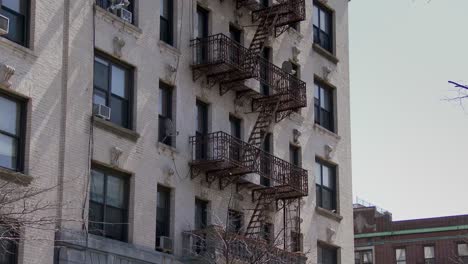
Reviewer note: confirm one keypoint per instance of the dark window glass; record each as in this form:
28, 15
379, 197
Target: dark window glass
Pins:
17, 11
325, 181
265, 3
266, 162
267, 232
235, 148
235, 221
201, 214
8, 245
112, 89
265, 72
108, 205
323, 107
327, 255
11, 133
234, 50
363, 257
167, 21
202, 32
296, 241
166, 121
295, 155
323, 27
106, 4
235, 33
163, 214
201, 129
235, 126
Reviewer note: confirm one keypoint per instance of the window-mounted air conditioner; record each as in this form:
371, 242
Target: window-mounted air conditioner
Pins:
4, 25
102, 111
126, 15
164, 244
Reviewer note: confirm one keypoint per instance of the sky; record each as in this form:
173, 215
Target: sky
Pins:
409, 144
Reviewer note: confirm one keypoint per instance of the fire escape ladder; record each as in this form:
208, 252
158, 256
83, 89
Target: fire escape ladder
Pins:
268, 110
292, 216
259, 216
265, 29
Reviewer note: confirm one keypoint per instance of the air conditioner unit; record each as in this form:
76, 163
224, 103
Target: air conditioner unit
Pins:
102, 111
4, 25
126, 15
164, 244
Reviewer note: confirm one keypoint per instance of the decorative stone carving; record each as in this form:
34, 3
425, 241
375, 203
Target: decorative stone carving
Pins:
295, 54
326, 73
115, 154
331, 234
170, 71
119, 43
6, 73
329, 151
296, 135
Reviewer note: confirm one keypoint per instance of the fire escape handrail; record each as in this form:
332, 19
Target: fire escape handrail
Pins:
220, 145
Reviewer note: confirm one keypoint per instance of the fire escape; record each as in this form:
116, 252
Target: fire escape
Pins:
227, 159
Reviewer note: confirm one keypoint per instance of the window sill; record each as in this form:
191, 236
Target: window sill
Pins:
328, 214
163, 46
16, 177
113, 128
166, 148
18, 49
325, 53
296, 34
323, 130
117, 21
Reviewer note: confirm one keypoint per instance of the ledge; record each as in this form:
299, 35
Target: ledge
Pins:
115, 20
113, 128
16, 177
325, 53
18, 49
166, 47
166, 148
325, 131
328, 214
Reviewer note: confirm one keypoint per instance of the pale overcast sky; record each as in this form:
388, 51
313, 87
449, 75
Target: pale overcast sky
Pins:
410, 148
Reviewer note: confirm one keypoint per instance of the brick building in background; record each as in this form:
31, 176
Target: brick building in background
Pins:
379, 239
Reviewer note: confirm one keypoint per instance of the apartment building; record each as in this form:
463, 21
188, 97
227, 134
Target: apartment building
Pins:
212, 132
379, 239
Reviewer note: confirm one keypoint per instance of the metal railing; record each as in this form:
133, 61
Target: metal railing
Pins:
290, 12
220, 146
214, 242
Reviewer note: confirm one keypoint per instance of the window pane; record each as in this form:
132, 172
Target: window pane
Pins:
316, 16
8, 152
8, 247
318, 173
97, 186
115, 192
96, 214
115, 223
119, 112
327, 199
9, 116
324, 21
17, 31
429, 252
317, 91
400, 254
463, 250
118, 82
101, 78
14, 5
326, 176
99, 97
325, 99
318, 197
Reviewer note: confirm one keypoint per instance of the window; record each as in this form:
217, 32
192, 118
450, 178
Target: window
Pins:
296, 241
17, 12
295, 155
166, 21
11, 133
201, 214
202, 32
235, 148
112, 88
265, 3
202, 129
235, 221
327, 255
234, 50
163, 214
108, 204
235, 33
323, 27
363, 257
323, 107
106, 4
429, 255
267, 232
400, 255
166, 121
266, 161
265, 72
325, 181
8, 245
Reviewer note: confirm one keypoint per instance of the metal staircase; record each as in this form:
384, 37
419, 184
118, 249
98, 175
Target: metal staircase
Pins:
259, 216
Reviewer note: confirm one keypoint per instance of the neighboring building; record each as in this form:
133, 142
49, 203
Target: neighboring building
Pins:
155, 133
378, 239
